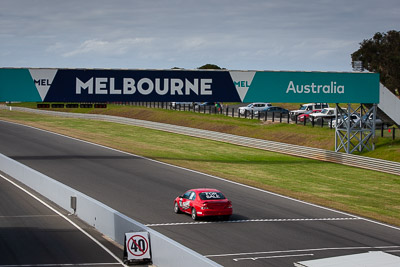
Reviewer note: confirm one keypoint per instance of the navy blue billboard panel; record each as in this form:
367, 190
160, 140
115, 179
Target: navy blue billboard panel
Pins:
141, 85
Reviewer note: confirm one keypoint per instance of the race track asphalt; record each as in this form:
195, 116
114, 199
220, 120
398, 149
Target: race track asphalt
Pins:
265, 229
34, 233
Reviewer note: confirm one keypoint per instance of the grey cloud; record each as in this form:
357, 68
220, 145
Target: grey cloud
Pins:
255, 34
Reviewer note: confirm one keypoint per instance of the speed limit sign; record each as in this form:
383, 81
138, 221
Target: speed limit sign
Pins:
137, 246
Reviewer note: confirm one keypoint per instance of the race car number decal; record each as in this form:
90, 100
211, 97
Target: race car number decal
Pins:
211, 195
184, 205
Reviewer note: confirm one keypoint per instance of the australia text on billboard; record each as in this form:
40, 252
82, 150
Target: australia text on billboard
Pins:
313, 88
144, 86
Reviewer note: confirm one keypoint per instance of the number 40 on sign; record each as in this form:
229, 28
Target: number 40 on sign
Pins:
137, 246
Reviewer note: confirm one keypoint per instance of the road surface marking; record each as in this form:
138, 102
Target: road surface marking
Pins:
273, 257
67, 219
304, 250
255, 220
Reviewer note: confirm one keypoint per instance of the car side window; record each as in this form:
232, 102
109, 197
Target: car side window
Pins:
192, 196
187, 194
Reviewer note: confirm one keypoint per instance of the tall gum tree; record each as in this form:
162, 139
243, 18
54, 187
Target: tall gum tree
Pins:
381, 54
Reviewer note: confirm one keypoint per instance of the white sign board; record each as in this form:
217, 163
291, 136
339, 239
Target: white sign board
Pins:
137, 245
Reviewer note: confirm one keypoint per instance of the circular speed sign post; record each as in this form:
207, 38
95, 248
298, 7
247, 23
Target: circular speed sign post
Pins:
137, 247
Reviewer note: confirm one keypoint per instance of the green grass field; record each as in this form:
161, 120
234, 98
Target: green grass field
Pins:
366, 193
317, 137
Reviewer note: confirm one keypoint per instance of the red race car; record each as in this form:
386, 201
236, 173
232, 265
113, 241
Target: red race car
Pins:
203, 202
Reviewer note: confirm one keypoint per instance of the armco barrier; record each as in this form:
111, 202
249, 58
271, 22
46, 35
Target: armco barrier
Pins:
165, 251
294, 150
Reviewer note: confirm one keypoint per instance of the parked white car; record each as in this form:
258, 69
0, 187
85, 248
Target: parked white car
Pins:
253, 107
326, 114
307, 107
354, 118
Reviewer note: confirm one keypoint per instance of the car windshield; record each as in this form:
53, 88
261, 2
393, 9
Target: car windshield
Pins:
324, 111
249, 105
211, 195
303, 107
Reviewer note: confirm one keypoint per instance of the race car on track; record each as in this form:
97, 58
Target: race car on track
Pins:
203, 202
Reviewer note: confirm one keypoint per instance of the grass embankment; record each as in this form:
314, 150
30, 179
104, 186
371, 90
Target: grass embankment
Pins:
366, 193
317, 137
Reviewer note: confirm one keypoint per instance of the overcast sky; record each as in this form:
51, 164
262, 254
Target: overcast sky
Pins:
303, 35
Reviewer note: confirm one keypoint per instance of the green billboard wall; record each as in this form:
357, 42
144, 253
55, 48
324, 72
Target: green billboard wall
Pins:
294, 87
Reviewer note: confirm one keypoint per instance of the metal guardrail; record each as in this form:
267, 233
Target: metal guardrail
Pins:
294, 150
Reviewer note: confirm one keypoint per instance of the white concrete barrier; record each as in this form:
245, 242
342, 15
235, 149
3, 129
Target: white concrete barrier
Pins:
165, 251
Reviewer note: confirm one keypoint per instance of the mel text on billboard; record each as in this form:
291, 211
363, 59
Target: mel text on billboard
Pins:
105, 85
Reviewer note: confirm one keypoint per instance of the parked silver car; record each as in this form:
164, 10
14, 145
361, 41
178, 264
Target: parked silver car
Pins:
181, 104
253, 107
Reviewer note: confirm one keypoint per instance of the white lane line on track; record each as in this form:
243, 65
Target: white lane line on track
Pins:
118, 261
255, 220
273, 257
29, 216
304, 251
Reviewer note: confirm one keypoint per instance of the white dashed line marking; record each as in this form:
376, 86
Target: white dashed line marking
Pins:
273, 257
255, 220
303, 251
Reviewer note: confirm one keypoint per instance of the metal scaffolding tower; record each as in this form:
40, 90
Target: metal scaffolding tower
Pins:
355, 128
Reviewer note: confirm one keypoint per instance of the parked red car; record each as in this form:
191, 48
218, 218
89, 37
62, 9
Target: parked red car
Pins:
306, 115
203, 202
